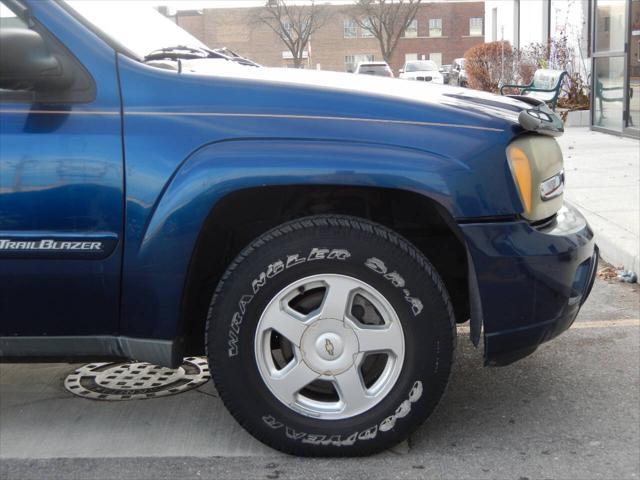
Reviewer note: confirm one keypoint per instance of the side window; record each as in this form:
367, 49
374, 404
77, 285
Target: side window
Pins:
8, 19
36, 67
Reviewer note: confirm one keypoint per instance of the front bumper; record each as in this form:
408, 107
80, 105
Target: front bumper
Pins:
426, 79
529, 282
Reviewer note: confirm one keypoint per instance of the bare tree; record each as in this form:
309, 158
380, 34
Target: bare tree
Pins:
386, 20
293, 24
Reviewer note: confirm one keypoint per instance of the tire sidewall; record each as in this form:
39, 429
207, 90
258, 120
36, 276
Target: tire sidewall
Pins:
409, 285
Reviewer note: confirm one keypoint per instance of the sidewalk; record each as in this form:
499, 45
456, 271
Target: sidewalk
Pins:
603, 181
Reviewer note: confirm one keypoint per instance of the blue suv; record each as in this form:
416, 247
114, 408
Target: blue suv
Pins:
319, 235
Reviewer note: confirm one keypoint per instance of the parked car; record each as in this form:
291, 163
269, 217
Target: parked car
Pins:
320, 234
422, 71
445, 70
377, 69
458, 73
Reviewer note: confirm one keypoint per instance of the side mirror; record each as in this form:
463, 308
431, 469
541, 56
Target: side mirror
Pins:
27, 64
401, 70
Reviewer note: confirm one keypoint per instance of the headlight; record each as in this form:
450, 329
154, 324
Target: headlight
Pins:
536, 165
552, 187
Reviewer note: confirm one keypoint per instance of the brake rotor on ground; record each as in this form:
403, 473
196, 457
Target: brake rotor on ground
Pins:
136, 380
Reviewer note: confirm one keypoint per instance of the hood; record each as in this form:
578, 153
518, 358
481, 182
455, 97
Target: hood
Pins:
463, 100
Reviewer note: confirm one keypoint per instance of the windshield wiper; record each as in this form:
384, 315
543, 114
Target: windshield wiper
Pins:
182, 52
224, 52
179, 52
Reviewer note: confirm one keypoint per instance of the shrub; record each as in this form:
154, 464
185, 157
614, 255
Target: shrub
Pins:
491, 64
486, 64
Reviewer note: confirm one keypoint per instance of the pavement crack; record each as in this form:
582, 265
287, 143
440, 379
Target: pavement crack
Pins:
41, 400
409, 443
214, 395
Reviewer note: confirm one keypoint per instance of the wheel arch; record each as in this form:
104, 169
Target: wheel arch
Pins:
236, 180
232, 224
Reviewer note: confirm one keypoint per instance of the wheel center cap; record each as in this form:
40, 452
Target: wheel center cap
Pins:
329, 346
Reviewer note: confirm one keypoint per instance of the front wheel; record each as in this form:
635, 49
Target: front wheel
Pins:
330, 336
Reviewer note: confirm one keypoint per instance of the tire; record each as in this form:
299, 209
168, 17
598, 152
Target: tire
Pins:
280, 337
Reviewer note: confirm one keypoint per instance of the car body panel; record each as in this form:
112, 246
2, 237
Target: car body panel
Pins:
532, 282
192, 136
223, 147
61, 177
230, 166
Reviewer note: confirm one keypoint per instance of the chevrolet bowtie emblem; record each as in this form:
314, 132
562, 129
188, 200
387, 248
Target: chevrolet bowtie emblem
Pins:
328, 346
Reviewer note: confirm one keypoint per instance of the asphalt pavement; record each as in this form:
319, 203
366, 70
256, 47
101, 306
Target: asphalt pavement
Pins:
570, 411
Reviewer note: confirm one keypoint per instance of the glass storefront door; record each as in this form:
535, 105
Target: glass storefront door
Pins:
633, 69
609, 58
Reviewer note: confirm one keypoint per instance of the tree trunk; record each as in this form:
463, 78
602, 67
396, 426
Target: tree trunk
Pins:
386, 55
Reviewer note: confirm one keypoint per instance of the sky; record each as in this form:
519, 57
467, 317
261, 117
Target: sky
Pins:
198, 4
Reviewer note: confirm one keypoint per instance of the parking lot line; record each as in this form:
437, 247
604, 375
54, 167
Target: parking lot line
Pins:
622, 322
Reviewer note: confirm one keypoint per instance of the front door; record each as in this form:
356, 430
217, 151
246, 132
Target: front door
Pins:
61, 190
609, 45
633, 71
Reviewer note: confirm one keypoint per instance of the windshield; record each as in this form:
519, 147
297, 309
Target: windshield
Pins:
423, 66
379, 70
135, 25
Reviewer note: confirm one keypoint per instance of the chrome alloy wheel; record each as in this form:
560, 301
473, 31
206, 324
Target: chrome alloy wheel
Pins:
329, 346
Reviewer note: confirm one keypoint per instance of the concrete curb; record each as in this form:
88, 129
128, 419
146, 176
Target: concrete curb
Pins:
617, 246
603, 182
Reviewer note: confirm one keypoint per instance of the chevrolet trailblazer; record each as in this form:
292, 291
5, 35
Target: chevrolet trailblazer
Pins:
319, 235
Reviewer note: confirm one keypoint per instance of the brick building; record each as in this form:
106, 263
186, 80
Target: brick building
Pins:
443, 30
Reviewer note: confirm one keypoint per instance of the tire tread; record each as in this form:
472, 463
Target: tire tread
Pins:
324, 221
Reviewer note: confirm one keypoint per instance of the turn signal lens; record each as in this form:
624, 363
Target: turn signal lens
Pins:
552, 187
521, 171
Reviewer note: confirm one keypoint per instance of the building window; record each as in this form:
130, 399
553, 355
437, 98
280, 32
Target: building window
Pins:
435, 27
475, 26
436, 57
409, 57
349, 60
352, 61
412, 29
367, 30
350, 29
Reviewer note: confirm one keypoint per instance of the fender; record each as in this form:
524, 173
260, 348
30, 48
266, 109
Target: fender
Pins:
223, 167
155, 274
217, 135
